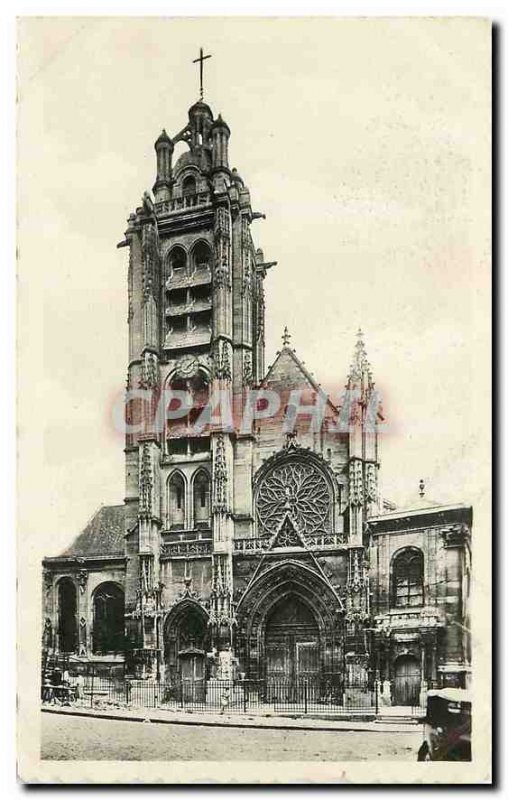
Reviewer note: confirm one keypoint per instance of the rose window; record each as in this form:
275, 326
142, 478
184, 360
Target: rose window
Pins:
299, 489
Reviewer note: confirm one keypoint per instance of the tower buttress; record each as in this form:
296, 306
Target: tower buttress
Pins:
196, 324
363, 442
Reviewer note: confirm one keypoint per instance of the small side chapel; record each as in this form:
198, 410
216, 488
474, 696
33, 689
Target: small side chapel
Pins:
257, 553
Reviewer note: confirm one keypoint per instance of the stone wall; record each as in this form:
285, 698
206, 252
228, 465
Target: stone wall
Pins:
86, 576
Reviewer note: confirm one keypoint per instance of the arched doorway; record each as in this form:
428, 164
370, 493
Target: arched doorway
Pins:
291, 640
406, 682
108, 619
185, 644
67, 616
315, 618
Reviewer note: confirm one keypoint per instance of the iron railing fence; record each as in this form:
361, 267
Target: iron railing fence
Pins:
269, 696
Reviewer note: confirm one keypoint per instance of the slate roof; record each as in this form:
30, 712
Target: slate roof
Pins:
103, 536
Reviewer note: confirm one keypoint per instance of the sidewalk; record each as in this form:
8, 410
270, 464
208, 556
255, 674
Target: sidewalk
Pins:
249, 720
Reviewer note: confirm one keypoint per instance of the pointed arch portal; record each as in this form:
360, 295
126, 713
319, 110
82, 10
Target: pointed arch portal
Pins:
108, 618
291, 640
185, 646
290, 621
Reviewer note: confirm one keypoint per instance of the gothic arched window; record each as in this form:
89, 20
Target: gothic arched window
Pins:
200, 390
67, 616
201, 496
177, 259
407, 578
298, 488
201, 256
108, 619
176, 501
189, 186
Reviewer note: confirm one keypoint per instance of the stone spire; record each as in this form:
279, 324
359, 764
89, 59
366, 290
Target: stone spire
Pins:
360, 373
362, 403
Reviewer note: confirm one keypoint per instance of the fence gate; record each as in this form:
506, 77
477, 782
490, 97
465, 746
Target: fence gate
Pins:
192, 676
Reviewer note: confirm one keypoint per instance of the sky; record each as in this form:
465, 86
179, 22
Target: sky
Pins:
367, 145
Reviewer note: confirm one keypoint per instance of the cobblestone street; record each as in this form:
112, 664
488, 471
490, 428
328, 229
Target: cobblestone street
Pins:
67, 738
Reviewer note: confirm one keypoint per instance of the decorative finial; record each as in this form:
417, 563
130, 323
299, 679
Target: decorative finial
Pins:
291, 442
360, 367
200, 61
360, 344
286, 337
422, 487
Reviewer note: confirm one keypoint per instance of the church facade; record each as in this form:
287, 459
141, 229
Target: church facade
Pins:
252, 541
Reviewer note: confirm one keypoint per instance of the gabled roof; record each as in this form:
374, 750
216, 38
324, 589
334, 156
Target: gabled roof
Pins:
103, 536
287, 368
288, 372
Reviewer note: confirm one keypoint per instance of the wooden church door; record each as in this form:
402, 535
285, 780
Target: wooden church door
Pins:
291, 641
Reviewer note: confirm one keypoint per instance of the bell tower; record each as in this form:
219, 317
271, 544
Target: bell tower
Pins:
196, 325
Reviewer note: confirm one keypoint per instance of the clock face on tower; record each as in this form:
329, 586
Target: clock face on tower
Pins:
187, 366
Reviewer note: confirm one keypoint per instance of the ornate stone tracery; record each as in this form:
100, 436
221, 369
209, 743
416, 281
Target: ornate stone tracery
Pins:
222, 277
297, 488
146, 482
150, 250
247, 377
222, 360
287, 536
220, 478
222, 271
371, 490
260, 322
246, 258
149, 371
356, 483
357, 588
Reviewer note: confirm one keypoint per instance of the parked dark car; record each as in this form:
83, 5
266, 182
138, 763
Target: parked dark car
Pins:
447, 726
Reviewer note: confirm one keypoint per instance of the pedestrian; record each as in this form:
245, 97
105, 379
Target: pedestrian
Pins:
56, 683
47, 689
224, 700
66, 687
56, 677
80, 687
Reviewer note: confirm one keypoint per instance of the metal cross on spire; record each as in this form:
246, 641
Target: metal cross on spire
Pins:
286, 336
200, 61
